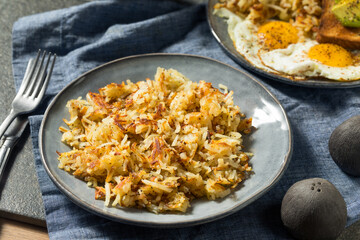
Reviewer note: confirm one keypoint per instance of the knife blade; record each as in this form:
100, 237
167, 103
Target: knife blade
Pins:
11, 137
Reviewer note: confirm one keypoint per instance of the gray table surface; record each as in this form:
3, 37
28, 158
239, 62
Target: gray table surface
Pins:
20, 197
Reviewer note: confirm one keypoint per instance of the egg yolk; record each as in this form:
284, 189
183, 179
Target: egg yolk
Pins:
277, 34
331, 55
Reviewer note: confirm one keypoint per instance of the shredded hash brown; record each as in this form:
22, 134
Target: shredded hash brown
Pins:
157, 144
302, 14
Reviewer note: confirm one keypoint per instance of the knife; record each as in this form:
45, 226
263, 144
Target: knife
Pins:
11, 137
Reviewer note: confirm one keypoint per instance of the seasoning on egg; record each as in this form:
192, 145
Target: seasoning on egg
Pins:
277, 34
331, 55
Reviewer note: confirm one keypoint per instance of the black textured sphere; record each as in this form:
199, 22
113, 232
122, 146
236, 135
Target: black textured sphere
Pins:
314, 209
344, 146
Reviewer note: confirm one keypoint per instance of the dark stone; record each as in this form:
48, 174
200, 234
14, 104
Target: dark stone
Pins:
314, 209
344, 146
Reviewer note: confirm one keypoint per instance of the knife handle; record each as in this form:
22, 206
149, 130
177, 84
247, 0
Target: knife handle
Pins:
5, 153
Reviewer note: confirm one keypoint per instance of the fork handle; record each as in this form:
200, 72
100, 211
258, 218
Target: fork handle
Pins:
6, 123
4, 154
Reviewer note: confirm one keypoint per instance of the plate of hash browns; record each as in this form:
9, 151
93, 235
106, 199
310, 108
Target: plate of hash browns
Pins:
165, 140
294, 42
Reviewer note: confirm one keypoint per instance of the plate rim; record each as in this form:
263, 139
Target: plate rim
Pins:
88, 207
310, 83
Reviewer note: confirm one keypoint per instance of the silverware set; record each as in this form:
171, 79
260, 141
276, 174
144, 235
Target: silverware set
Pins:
28, 98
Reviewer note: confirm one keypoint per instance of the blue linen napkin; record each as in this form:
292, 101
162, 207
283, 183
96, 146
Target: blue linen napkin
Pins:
91, 34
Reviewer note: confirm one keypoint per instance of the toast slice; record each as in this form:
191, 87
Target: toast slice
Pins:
332, 31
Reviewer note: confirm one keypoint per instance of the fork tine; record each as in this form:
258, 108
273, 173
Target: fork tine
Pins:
21, 103
28, 77
35, 79
41, 78
29, 67
46, 82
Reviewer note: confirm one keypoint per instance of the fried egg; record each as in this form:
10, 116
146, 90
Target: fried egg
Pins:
308, 59
275, 47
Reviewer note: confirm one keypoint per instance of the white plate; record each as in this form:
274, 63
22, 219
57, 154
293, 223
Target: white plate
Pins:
271, 143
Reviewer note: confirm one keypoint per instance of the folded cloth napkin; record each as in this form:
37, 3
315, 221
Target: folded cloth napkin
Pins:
91, 34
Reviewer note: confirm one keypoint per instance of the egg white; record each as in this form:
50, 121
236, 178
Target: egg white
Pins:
243, 33
294, 60
291, 61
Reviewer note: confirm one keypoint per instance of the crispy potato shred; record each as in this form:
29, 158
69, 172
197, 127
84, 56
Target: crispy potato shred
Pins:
157, 144
302, 14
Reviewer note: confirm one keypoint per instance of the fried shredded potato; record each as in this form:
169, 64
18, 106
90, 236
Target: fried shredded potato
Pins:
157, 144
302, 14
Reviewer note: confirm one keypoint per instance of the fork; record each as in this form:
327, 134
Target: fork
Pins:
32, 88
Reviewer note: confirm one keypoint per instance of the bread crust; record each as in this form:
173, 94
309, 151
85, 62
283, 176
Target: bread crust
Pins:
332, 31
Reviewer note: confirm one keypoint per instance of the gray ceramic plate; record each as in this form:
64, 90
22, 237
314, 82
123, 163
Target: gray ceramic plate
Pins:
271, 142
218, 27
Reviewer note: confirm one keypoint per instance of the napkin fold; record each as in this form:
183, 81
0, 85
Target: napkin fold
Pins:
91, 34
